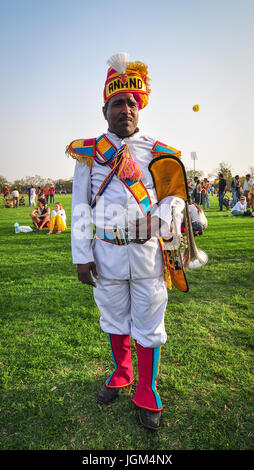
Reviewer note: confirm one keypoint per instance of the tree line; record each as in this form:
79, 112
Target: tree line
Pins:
65, 185
60, 185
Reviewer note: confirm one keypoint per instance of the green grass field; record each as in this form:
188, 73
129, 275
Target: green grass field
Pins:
54, 357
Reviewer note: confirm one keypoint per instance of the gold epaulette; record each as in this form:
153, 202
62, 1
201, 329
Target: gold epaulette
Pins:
83, 150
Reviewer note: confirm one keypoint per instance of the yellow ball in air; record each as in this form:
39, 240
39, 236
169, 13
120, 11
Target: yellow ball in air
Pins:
195, 107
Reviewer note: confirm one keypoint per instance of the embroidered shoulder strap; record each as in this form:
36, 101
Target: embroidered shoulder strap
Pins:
163, 149
83, 150
106, 153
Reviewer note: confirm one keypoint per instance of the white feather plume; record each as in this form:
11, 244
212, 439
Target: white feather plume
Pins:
119, 62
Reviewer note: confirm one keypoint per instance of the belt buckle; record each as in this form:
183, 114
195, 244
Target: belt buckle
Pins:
121, 236
117, 234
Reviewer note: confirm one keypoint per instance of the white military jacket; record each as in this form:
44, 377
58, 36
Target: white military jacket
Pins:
116, 207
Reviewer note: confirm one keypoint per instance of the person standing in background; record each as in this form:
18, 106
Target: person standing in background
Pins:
193, 194
15, 195
32, 195
6, 191
40, 193
205, 193
248, 182
222, 190
46, 193
198, 192
235, 188
28, 188
51, 194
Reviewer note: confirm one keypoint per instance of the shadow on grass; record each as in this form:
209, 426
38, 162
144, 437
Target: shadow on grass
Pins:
70, 415
67, 417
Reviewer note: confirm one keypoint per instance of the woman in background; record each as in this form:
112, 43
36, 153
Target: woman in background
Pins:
198, 219
58, 220
240, 208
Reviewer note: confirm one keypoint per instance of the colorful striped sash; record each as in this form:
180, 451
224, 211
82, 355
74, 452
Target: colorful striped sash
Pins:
107, 154
104, 152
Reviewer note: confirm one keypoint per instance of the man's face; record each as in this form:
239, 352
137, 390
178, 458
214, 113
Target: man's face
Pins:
121, 113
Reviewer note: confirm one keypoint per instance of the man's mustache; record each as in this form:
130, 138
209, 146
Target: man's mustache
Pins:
126, 118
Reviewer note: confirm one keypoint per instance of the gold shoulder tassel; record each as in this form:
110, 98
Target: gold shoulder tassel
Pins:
80, 158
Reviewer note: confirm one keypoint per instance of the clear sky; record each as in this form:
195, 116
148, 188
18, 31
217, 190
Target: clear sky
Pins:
53, 69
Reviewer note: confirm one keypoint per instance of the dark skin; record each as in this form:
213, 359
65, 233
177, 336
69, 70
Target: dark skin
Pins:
121, 113
36, 218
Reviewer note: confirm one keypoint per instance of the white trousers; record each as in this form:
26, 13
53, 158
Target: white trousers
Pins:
135, 307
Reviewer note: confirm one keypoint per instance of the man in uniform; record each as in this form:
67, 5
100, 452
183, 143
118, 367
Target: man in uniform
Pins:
114, 191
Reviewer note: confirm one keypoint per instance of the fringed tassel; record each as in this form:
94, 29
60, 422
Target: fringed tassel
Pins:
166, 264
128, 168
82, 159
167, 274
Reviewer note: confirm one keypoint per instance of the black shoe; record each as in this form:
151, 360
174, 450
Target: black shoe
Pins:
149, 419
106, 395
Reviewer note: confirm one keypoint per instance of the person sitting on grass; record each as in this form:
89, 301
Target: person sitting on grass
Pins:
198, 219
40, 215
240, 208
227, 202
58, 219
22, 201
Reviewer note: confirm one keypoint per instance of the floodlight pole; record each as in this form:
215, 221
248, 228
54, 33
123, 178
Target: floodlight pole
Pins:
194, 158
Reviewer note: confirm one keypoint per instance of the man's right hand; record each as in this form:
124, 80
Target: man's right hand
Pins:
84, 273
